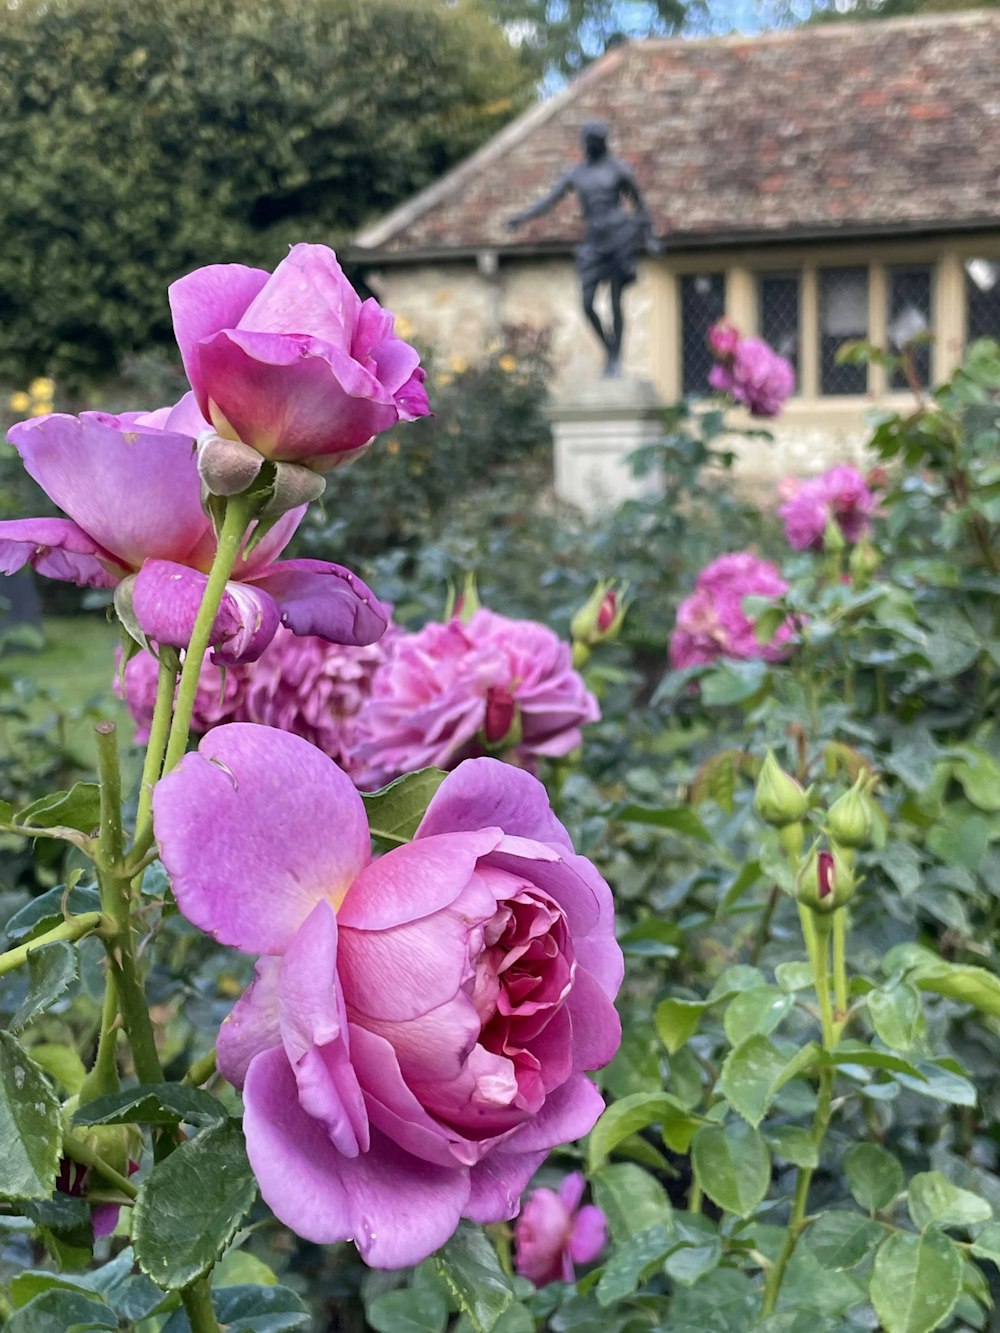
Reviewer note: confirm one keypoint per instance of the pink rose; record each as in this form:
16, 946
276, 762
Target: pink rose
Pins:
711, 623
449, 691
840, 495
723, 339
553, 1233
750, 371
130, 488
293, 363
416, 1037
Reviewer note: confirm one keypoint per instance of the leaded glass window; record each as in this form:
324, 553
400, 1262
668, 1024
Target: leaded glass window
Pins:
910, 314
779, 316
703, 301
843, 316
982, 296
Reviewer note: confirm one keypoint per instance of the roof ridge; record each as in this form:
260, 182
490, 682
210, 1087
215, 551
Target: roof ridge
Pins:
528, 121
837, 27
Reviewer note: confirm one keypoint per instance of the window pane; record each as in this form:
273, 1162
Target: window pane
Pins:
843, 315
982, 294
703, 301
778, 307
909, 314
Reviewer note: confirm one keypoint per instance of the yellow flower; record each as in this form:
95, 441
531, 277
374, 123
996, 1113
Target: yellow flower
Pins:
508, 363
459, 365
42, 388
41, 409
20, 402
442, 379
404, 327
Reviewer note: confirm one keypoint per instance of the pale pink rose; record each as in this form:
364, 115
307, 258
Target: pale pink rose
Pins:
712, 623
553, 1233
840, 495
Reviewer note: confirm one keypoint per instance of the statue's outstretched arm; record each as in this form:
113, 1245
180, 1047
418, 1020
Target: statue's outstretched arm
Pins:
561, 187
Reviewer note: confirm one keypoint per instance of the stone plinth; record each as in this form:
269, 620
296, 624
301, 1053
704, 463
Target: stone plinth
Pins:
594, 429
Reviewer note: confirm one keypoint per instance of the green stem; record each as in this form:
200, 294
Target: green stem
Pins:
694, 1197
239, 513
159, 729
840, 971
197, 1300
103, 1077
112, 838
73, 929
201, 1071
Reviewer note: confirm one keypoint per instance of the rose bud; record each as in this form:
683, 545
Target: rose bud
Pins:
827, 882
779, 799
849, 820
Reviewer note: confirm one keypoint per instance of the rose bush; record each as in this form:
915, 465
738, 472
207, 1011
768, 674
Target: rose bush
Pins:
294, 363
130, 488
415, 1039
712, 622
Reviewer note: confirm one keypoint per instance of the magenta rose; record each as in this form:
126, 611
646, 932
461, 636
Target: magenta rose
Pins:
553, 1233
712, 623
840, 495
130, 488
723, 339
416, 1037
294, 363
750, 371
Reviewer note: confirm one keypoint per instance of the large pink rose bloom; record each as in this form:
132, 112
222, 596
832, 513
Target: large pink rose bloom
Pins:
315, 689
416, 1037
553, 1233
712, 623
129, 486
753, 374
450, 691
840, 495
294, 363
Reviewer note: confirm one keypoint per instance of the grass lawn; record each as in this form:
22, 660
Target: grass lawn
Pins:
73, 671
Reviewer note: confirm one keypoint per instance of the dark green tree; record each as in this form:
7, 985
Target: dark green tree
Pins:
138, 141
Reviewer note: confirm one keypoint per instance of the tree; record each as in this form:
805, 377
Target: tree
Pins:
139, 141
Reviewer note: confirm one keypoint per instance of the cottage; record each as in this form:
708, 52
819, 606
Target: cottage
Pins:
826, 183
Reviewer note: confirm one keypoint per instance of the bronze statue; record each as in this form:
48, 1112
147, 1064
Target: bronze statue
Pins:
613, 234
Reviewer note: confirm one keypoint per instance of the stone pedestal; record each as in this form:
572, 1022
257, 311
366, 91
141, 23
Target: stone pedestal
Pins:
594, 430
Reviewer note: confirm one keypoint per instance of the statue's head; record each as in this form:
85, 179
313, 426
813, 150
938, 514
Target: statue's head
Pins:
595, 138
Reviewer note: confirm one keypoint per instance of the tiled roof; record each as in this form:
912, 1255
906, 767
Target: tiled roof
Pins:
891, 125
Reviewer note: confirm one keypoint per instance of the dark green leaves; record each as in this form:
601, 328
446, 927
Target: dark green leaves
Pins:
190, 1205
874, 1176
469, 1265
732, 1165
51, 971
30, 1126
395, 811
916, 1281
153, 1104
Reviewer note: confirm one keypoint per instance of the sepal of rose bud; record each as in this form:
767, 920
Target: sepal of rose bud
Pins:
466, 603
226, 467
230, 467
125, 611
779, 799
849, 820
826, 881
863, 563
600, 618
833, 537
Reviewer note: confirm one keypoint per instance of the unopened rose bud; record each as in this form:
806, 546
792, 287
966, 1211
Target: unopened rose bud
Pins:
779, 799
600, 618
226, 467
467, 603
294, 485
849, 820
501, 715
833, 538
863, 563
826, 882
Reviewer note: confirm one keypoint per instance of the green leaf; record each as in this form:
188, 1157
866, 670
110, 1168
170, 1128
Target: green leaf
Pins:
252, 1309
30, 1126
411, 1311
153, 1104
840, 1240
962, 842
793, 977
857, 1053
794, 1144
190, 1205
955, 981
469, 1265
938, 1079
623, 1118
755, 1011
60, 1310
874, 1176
699, 1249
979, 775
679, 819
734, 683
632, 1200
625, 1267
916, 1281
677, 1020
394, 812
768, 623
60, 1063
79, 809
753, 1074
986, 1243
897, 1016
934, 1201
47, 910
51, 971
732, 1165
